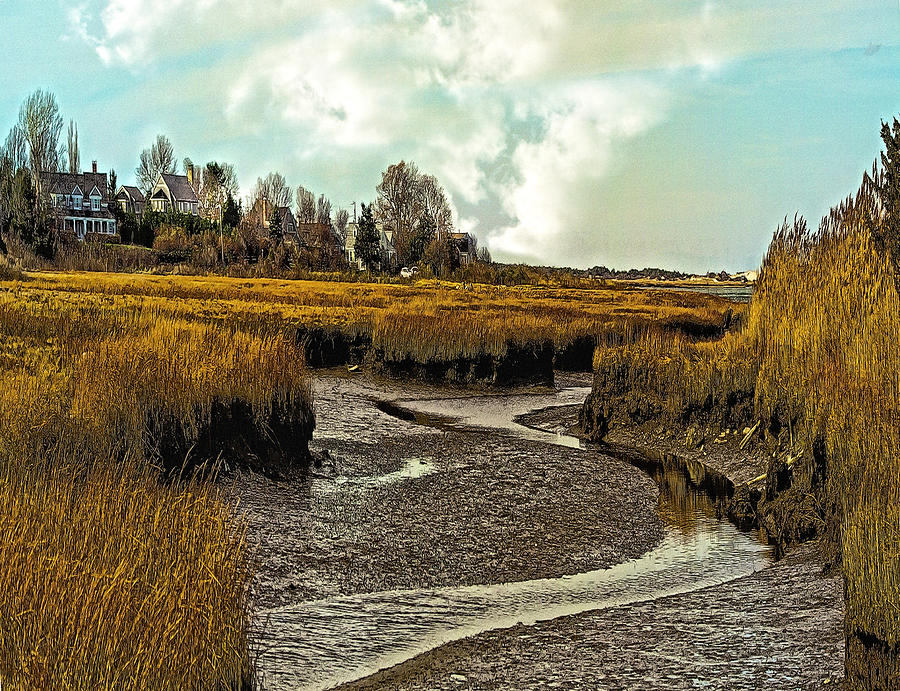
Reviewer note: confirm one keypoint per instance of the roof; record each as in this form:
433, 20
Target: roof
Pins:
132, 192
180, 188
66, 183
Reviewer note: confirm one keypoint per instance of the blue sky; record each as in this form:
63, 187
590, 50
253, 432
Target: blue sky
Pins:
634, 133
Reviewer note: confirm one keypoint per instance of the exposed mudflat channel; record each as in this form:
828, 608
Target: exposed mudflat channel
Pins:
446, 517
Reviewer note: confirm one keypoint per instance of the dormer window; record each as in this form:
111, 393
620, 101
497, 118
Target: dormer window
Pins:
95, 203
77, 201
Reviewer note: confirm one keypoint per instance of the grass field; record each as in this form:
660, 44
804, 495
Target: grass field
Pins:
117, 573
428, 319
114, 387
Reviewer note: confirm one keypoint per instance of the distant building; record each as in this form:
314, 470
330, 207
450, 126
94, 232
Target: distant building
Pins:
131, 200
350, 247
466, 245
262, 213
80, 202
174, 193
316, 235
386, 238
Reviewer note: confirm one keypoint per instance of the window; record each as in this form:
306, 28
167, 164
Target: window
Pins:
76, 201
95, 203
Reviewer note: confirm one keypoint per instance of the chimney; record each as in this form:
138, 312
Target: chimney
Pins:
94, 167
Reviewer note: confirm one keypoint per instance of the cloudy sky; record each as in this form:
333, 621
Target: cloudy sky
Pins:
628, 133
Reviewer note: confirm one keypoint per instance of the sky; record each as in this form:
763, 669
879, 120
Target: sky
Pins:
623, 133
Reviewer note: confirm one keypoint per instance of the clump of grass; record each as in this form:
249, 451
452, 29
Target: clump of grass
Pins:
113, 580
115, 577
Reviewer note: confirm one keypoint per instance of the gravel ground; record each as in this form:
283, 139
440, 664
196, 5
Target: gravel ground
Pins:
496, 508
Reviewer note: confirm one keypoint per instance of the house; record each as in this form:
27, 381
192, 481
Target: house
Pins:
385, 245
80, 202
175, 193
131, 200
386, 238
466, 245
350, 247
262, 213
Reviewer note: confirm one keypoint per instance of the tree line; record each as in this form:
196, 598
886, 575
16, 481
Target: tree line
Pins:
410, 221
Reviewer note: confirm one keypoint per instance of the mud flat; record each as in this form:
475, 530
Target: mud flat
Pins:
492, 508
391, 548
780, 628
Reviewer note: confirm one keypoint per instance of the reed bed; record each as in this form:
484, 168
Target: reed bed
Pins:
818, 361
424, 321
123, 565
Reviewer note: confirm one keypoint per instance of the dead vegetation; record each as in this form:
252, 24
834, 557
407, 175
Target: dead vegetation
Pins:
816, 369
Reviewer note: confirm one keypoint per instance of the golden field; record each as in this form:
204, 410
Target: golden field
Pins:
120, 571
428, 319
125, 568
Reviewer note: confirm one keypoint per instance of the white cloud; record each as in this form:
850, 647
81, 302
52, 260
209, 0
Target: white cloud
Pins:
551, 199
518, 108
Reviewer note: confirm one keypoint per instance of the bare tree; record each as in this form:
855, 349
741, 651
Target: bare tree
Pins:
72, 148
398, 200
15, 149
416, 206
274, 189
41, 124
306, 205
323, 211
434, 203
159, 158
341, 218
484, 255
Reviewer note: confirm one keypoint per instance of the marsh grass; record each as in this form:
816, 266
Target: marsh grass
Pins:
122, 566
423, 322
818, 356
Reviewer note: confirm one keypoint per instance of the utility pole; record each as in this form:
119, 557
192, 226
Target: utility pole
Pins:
221, 235
354, 212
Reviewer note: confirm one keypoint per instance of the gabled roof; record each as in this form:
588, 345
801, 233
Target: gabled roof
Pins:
180, 188
132, 193
74, 183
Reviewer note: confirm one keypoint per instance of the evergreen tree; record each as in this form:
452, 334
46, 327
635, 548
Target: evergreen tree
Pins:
368, 241
231, 214
276, 231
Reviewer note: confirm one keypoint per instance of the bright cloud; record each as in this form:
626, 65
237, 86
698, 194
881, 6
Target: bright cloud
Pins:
520, 109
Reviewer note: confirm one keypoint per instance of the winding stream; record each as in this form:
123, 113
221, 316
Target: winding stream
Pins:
320, 644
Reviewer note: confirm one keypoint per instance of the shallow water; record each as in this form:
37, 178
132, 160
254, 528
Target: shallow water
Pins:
317, 645
735, 293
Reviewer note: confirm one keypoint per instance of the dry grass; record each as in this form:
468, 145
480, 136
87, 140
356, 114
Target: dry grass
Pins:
113, 577
819, 352
424, 321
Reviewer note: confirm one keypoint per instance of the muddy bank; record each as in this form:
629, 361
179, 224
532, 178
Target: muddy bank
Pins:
780, 628
780, 486
523, 364
270, 439
492, 508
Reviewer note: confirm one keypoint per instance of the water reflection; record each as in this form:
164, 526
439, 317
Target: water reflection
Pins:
317, 645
